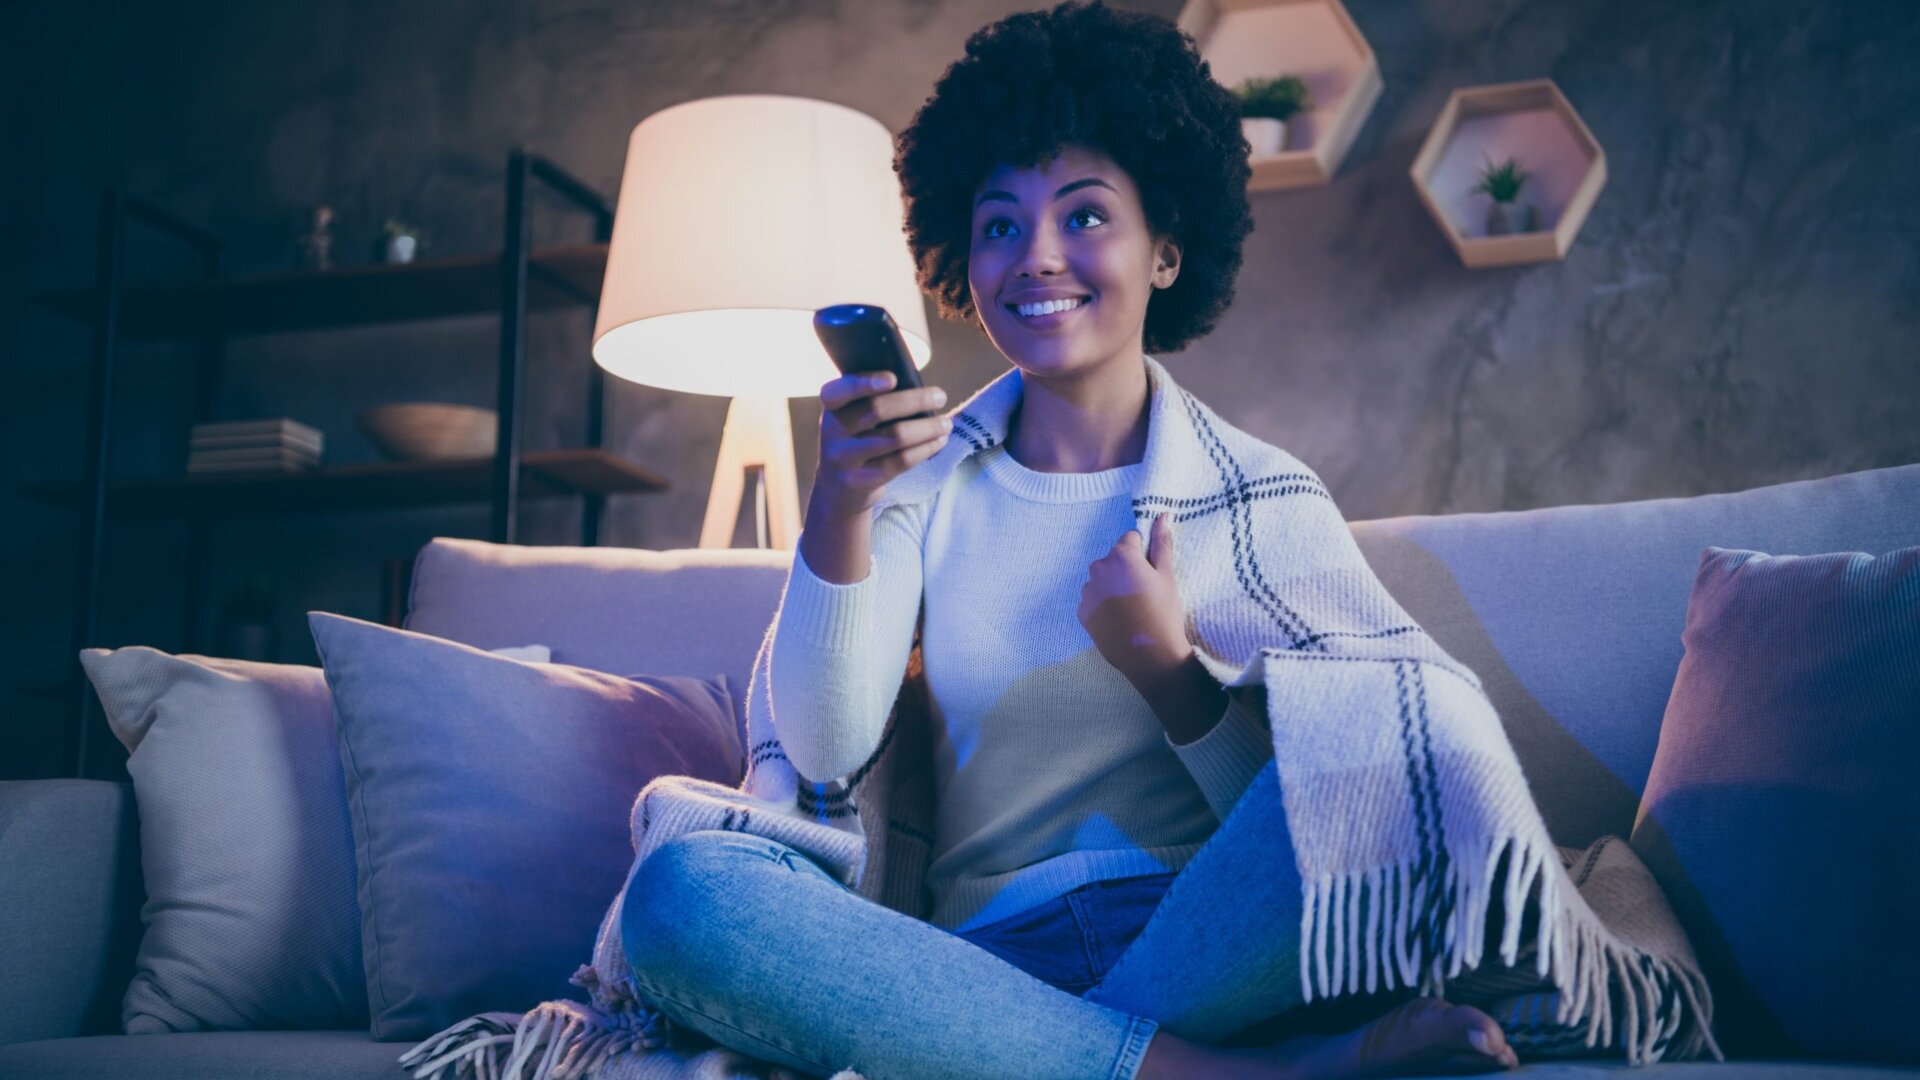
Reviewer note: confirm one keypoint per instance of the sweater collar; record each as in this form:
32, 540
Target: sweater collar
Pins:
982, 422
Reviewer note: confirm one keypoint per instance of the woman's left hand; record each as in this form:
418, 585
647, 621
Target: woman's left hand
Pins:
1131, 606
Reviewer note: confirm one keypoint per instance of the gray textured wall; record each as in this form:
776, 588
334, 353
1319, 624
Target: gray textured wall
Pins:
1739, 310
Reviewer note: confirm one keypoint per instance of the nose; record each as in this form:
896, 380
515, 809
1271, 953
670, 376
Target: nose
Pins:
1041, 254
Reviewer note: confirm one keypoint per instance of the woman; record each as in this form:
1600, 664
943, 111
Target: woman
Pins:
1112, 887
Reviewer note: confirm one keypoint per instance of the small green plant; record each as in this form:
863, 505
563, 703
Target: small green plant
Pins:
395, 227
1502, 182
1280, 98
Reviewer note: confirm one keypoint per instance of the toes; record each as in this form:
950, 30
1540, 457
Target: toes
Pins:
1469, 1063
1432, 1033
1483, 1033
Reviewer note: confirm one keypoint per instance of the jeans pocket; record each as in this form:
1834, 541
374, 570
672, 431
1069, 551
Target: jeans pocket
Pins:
1117, 911
1044, 941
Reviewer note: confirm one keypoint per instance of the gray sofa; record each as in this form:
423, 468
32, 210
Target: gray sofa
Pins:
1570, 615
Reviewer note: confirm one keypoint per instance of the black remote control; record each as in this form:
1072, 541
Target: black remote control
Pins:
863, 338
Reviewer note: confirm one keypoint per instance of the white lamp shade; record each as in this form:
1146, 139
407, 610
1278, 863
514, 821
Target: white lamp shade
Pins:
738, 217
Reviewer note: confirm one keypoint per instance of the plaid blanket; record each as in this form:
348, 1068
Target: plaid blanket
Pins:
1409, 813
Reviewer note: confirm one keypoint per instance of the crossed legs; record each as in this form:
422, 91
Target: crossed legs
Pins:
749, 942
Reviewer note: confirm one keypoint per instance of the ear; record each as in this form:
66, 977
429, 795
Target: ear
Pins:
1166, 263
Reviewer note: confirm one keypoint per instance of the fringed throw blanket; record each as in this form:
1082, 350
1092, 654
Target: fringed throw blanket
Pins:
1407, 807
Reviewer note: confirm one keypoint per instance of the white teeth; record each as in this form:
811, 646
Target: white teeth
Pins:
1047, 307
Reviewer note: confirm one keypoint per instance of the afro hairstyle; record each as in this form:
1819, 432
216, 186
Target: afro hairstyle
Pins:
1129, 84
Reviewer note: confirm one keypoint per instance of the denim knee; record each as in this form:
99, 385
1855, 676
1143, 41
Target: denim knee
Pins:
674, 888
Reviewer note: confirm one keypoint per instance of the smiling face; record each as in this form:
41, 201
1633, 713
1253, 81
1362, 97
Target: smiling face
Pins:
1073, 229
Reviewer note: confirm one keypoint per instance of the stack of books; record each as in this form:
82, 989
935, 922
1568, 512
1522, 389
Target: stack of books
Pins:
281, 444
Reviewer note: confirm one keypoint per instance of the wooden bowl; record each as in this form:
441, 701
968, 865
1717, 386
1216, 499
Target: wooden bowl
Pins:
429, 430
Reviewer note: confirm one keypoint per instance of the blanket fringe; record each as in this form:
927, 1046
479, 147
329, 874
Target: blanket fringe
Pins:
1575, 951
572, 1040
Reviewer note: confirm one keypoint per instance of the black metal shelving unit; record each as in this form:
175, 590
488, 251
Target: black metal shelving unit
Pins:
213, 308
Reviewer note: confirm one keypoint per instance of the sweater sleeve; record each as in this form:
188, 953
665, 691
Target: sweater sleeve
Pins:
1225, 760
840, 650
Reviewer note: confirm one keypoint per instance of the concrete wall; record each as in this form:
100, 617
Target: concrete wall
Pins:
1739, 310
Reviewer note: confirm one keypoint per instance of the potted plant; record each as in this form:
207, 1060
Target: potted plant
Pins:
1265, 107
402, 240
1502, 183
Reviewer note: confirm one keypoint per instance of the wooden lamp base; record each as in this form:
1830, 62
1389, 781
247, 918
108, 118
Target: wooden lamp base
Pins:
759, 434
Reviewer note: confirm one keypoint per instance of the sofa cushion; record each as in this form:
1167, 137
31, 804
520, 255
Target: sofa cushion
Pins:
1572, 615
353, 1055
245, 845
489, 801
208, 1055
1781, 817
690, 611
69, 906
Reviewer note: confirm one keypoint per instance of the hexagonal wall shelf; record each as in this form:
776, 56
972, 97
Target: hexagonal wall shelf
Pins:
1534, 123
1314, 39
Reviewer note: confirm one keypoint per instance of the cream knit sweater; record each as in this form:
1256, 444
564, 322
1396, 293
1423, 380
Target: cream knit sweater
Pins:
1050, 770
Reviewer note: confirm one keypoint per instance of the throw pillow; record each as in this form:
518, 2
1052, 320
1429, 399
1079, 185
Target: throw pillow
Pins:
246, 847
490, 801
1781, 815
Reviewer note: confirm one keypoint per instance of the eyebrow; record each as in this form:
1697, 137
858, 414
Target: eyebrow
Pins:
1075, 186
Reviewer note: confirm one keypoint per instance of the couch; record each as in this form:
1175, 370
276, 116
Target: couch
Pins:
1571, 616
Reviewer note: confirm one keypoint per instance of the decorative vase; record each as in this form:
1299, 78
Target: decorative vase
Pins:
400, 249
1510, 218
1264, 134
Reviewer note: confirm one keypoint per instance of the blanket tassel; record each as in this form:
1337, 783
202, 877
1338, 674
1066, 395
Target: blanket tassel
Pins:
1575, 951
573, 1040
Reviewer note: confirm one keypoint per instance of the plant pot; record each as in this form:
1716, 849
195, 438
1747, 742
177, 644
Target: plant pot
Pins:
400, 249
1264, 134
1510, 218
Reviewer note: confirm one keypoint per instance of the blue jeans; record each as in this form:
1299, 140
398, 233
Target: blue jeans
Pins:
745, 940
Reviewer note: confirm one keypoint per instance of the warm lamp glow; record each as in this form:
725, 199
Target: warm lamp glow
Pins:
729, 352
739, 217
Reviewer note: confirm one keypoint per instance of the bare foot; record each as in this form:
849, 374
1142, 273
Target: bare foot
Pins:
1425, 1035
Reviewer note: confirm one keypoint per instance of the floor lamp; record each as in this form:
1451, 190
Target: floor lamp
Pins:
738, 217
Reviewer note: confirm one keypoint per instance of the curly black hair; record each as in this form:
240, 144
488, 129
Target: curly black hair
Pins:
1129, 84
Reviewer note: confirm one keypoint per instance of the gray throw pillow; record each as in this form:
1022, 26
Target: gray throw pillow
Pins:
1781, 816
246, 848
490, 799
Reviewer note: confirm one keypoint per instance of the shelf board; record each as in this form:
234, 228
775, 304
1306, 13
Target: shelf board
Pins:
543, 474
1314, 39
558, 276
1533, 122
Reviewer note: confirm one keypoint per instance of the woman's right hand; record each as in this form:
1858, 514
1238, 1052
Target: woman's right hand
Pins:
864, 443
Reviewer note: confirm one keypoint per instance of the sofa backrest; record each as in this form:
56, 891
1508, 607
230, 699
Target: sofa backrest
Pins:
1570, 615
625, 611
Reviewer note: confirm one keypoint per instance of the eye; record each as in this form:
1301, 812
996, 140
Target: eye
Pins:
987, 229
1095, 211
